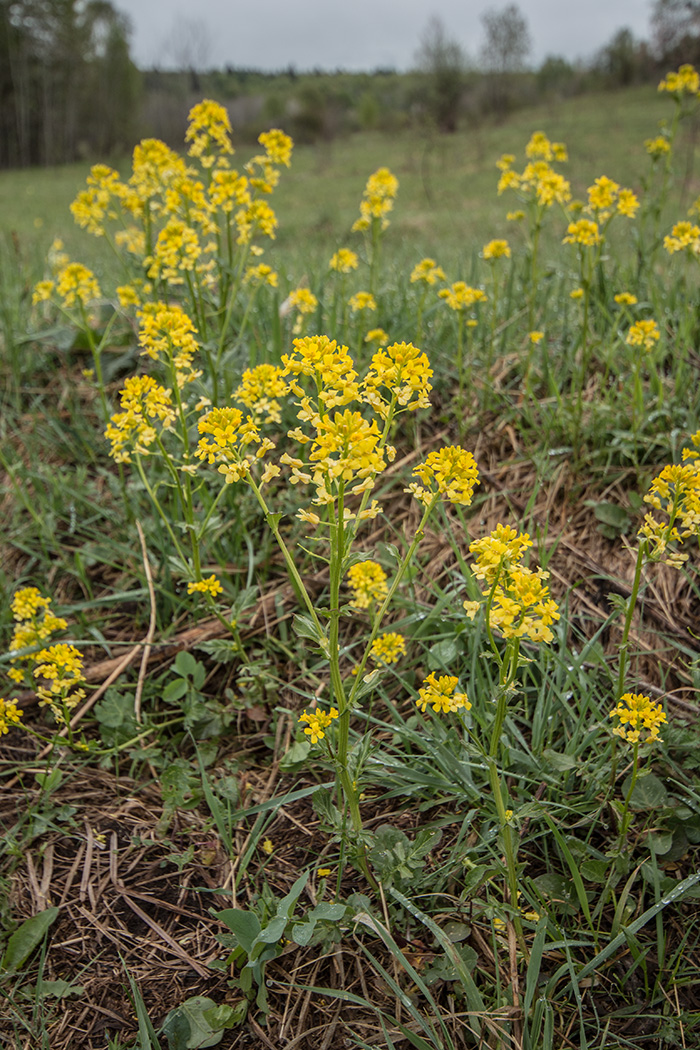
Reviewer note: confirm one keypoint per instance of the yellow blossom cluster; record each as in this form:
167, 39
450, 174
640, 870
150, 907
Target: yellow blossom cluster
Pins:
74, 285
378, 200
261, 274
401, 374
259, 391
517, 598
388, 648
643, 333
539, 183
362, 301
675, 493
34, 624
461, 296
685, 82
657, 147
685, 236
639, 718
209, 586
449, 473
59, 674
583, 231
498, 249
367, 581
343, 261
317, 723
626, 299
209, 133
428, 272
143, 401
167, 334
605, 197
440, 694
230, 434
10, 715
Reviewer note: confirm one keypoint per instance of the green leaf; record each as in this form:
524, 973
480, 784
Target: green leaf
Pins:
649, 792
613, 515
304, 627
326, 910
302, 933
296, 756
28, 937
186, 1027
443, 654
273, 932
115, 710
175, 690
245, 925
561, 762
59, 989
227, 1016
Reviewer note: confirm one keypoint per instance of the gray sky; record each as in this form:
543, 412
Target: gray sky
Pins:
362, 34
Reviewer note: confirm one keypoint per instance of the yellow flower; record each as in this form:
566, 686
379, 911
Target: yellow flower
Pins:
404, 372
362, 301
318, 721
576, 294
640, 718
27, 602
427, 271
539, 146
323, 873
303, 301
267, 846
377, 335
683, 235
535, 337
685, 82
75, 283
388, 648
449, 472
515, 216
60, 669
499, 552
657, 147
344, 260
627, 203
602, 194
210, 586
346, 448
675, 493
259, 391
143, 401
378, 199
277, 145
583, 231
230, 434
367, 580
440, 694
261, 274
42, 292
643, 333
208, 131
10, 715
496, 250
626, 299
331, 368
461, 296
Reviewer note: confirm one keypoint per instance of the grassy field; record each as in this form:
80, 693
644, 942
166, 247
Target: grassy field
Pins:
284, 766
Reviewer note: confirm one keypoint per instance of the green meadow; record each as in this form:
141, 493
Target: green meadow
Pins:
350, 640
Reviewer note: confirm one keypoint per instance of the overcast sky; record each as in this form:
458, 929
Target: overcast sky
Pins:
362, 34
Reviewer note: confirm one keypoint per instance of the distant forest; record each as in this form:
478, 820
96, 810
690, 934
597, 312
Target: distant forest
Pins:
69, 89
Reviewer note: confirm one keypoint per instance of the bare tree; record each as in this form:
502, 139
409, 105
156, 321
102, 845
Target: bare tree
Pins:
443, 61
675, 27
189, 44
505, 50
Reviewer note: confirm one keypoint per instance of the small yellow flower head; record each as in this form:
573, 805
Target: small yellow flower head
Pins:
318, 721
209, 131
346, 449
499, 552
367, 580
329, 365
261, 274
388, 648
439, 693
176, 252
75, 283
684, 236
378, 199
676, 494
505, 162
401, 372
657, 147
626, 299
362, 301
639, 717
461, 296
561, 154
27, 602
128, 296
377, 335
539, 147
627, 203
602, 194
230, 434
259, 390
535, 337
257, 217
343, 261
10, 715
303, 301
643, 333
268, 847
496, 250
277, 145
42, 292
60, 670
210, 586
576, 294
143, 401
450, 473
323, 873
427, 271
583, 231
167, 334
685, 82
515, 216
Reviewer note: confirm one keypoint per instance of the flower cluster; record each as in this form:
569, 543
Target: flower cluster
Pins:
685, 82
428, 272
318, 721
378, 200
399, 374
367, 581
605, 197
439, 693
362, 301
643, 333
583, 231
496, 250
517, 598
685, 236
59, 673
10, 715
230, 435
639, 718
460, 296
209, 586
34, 624
344, 260
388, 648
167, 334
676, 494
449, 473
538, 184
143, 402
259, 391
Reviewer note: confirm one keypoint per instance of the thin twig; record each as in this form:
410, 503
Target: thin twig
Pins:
151, 626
